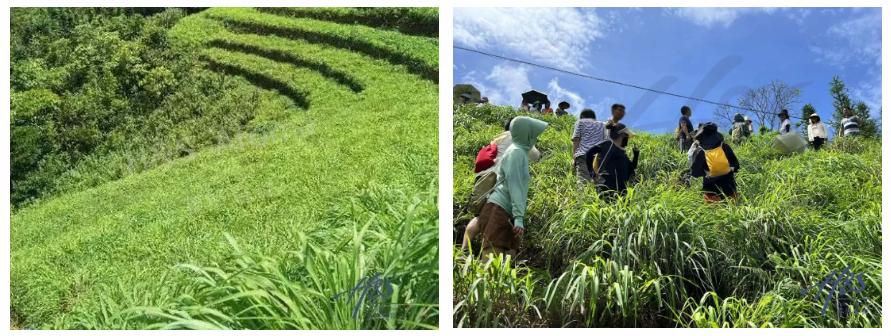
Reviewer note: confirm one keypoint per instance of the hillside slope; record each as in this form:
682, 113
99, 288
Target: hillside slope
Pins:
351, 171
662, 257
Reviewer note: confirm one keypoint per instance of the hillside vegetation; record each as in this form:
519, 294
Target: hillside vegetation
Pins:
661, 257
316, 169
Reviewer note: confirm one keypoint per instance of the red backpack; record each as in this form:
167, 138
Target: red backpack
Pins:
486, 158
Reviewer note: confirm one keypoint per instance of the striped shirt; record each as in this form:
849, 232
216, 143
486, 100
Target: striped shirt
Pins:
850, 126
590, 133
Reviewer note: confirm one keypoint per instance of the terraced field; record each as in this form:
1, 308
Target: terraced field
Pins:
341, 188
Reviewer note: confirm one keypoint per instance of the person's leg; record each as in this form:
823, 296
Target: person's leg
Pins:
470, 233
582, 173
492, 251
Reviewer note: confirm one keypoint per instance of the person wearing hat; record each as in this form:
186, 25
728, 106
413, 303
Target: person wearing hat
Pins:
561, 109
816, 132
613, 168
536, 107
786, 125
749, 124
716, 163
484, 101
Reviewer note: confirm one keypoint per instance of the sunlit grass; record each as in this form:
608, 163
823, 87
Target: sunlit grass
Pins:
661, 257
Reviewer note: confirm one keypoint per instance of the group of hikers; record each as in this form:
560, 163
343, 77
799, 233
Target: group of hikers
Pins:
600, 158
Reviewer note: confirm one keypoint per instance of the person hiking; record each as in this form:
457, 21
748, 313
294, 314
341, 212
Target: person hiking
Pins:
816, 132
524, 105
561, 109
739, 131
508, 198
485, 179
586, 133
786, 125
617, 114
685, 134
749, 124
716, 163
850, 124
609, 162
536, 107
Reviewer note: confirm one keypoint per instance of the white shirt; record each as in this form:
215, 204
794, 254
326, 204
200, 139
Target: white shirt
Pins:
817, 129
783, 126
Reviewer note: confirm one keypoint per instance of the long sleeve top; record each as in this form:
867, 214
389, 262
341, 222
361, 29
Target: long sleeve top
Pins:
817, 130
512, 184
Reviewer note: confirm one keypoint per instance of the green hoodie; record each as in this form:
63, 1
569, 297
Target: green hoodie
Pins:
512, 187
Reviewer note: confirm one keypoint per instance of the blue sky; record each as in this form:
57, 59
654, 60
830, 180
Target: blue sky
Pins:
710, 53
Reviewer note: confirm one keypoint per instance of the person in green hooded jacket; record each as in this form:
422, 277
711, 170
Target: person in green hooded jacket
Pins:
507, 202
740, 130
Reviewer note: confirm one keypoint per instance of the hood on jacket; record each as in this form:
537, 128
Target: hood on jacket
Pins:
708, 136
525, 131
738, 118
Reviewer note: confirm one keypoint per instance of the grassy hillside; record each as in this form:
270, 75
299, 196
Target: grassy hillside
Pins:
662, 257
339, 186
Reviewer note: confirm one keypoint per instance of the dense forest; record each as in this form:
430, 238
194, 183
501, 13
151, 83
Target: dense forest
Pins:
97, 94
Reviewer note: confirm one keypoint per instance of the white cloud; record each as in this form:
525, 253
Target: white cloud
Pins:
710, 16
556, 94
798, 15
503, 85
557, 36
856, 42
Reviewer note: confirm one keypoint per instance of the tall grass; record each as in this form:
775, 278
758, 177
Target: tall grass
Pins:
338, 185
661, 257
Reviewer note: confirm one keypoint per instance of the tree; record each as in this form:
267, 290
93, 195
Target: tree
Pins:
723, 116
806, 112
766, 101
840, 99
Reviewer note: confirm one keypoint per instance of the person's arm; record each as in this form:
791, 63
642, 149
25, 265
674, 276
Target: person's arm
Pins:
517, 178
697, 168
589, 159
684, 130
633, 166
731, 157
825, 133
788, 127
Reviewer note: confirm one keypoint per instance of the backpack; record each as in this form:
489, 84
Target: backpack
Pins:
677, 132
485, 159
481, 190
737, 133
717, 162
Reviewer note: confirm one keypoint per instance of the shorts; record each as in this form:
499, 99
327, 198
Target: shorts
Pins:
496, 228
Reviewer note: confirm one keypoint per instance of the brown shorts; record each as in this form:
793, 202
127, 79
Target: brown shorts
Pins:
496, 228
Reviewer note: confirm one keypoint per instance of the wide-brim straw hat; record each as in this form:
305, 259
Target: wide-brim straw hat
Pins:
563, 103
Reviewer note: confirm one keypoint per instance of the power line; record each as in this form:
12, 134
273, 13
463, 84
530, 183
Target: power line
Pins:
606, 80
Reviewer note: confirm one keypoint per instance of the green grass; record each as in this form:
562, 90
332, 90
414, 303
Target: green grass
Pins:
661, 257
340, 187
